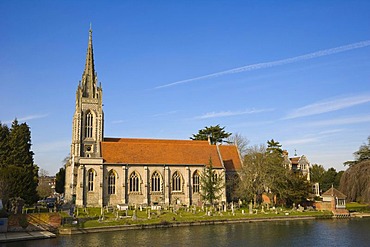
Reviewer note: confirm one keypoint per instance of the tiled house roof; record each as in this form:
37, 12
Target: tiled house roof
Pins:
334, 192
167, 152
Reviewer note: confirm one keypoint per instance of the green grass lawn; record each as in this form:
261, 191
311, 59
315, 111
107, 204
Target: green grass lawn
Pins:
90, 217
357, 207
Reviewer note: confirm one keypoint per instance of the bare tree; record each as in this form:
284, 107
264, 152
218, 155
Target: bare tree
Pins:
253, 174
241, 142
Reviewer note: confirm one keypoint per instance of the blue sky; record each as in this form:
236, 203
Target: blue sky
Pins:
297, 71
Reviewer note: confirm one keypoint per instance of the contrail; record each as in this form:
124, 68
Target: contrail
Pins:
275, 63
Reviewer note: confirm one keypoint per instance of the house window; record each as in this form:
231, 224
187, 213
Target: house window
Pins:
196, 183
176, 182
90, 182
111, 183
134, 182
89, 125
156, 182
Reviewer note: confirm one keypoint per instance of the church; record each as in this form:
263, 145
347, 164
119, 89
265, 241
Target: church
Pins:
107, 171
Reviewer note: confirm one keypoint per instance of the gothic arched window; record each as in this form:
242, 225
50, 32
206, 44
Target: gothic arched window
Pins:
90, 180
196, 182
134, 182
176, 182
156, 182
89, 125
112, 183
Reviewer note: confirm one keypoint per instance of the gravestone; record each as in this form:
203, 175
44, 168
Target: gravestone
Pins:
134, 217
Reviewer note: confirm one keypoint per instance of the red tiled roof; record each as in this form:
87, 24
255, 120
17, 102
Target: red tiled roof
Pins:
334, 192
156, 151
230, 157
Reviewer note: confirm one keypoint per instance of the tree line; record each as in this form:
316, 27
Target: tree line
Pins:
265, 171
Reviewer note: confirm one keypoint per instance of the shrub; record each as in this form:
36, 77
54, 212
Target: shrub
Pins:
23, 221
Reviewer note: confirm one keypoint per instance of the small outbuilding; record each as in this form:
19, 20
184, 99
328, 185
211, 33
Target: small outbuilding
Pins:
335, 201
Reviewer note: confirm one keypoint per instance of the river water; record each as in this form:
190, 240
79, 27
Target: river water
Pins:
339, 232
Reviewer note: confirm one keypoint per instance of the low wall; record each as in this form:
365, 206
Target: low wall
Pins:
71, 231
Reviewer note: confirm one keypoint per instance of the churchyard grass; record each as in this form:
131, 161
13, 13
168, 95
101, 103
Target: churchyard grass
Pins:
91, 217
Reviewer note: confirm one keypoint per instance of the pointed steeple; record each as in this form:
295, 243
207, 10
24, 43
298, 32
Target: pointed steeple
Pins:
89, 76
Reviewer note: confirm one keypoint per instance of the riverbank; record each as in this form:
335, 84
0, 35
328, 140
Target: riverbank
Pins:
360, 215
21, 236
76, 230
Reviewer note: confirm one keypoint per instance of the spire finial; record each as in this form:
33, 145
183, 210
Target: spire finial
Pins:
90, 27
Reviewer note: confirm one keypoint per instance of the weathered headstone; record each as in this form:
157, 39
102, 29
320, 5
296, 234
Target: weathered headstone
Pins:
134, 216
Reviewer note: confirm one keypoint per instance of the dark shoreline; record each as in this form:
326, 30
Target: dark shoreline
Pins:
72, 231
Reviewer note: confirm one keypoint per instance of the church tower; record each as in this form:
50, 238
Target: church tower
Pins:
88, 118
87, 133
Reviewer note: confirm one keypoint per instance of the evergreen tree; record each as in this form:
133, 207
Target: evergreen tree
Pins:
20, 144
19, 176
215, 133
274, 147
60, 180
328, 179
297, 188
211, 184
4, 144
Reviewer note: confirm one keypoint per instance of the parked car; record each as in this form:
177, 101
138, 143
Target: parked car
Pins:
50, 202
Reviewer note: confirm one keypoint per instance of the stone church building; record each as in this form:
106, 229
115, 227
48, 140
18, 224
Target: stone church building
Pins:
109, 171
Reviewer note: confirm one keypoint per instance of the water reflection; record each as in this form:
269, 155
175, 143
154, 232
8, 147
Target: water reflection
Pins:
353, 232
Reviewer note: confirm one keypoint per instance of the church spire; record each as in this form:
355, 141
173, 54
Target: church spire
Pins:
89, 76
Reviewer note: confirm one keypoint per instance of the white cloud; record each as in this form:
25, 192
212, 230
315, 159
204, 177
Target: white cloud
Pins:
342, 121
299, 140
229, 113
118, 121
258, 66
328, 106
164, 114
312, 138
26, 118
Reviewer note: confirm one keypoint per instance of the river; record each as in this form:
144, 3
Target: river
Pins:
338, 232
